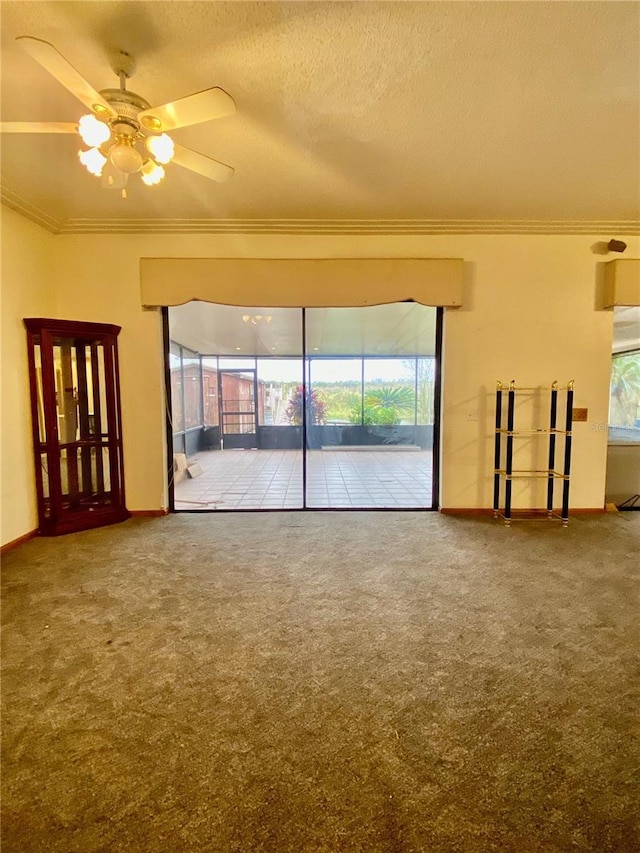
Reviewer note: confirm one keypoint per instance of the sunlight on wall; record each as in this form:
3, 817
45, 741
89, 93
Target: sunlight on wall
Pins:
529, 313
27, 254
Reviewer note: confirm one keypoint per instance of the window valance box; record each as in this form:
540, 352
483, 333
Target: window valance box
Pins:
622, 282
301, 282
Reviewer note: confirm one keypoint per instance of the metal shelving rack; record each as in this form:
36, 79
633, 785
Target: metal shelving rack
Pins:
508, 473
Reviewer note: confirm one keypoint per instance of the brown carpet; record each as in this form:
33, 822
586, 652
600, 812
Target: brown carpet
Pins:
323, 682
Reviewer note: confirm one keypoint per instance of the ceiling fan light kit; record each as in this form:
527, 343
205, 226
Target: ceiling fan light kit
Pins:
125, 156
93, 132
161, 147
122, 129
254, 319
152, 173
93, 160
122, 140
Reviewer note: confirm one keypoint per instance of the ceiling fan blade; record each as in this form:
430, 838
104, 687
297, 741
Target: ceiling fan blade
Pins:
203, 165
38, 127
54, 62
203, 106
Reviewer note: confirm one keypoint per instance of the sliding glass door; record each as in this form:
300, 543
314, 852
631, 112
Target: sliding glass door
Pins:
371, 377
252, 388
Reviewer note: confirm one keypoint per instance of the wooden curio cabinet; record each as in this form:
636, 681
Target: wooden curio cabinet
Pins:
77, 432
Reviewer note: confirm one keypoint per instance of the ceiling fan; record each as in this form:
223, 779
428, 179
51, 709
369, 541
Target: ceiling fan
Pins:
123, 133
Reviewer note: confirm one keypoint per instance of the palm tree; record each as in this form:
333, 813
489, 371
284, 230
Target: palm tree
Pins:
625, 385
387, 405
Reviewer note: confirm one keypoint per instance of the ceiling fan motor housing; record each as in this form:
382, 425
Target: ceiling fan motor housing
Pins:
126, 104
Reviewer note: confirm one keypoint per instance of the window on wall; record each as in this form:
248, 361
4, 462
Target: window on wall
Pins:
425, 390
191, 402
335, 390
624, 400
278, 381
373, 391
192, 389
210, 391
186, 388
389, 391
177, 396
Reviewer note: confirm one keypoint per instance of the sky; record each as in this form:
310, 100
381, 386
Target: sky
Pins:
322, 370
334, 370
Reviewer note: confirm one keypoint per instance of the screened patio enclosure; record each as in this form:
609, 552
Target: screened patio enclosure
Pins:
285, 408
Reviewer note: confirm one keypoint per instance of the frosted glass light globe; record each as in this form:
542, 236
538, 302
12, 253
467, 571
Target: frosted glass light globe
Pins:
92, 131
161, 147
126, 158
152, 173
94, 161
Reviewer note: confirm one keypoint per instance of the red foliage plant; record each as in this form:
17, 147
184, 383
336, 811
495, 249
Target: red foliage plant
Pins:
315, 408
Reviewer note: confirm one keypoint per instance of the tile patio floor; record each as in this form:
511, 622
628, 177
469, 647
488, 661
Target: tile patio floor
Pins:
272, 479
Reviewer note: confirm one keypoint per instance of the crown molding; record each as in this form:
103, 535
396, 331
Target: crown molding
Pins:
345, 226
12, 198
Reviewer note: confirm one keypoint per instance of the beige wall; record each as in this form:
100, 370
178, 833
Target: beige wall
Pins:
529, 313
27, 257
530, 317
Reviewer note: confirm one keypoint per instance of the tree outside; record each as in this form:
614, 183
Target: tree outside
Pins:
387, 401
624, 410
315, 408
386, 405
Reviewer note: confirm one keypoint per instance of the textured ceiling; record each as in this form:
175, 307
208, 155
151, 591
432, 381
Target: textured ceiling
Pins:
365, 116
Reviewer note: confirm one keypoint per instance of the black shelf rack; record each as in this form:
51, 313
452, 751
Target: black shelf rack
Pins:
505, 435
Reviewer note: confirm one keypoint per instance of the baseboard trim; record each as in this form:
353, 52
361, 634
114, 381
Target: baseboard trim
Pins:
465, 510
455, 510
9, 546
148, 513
